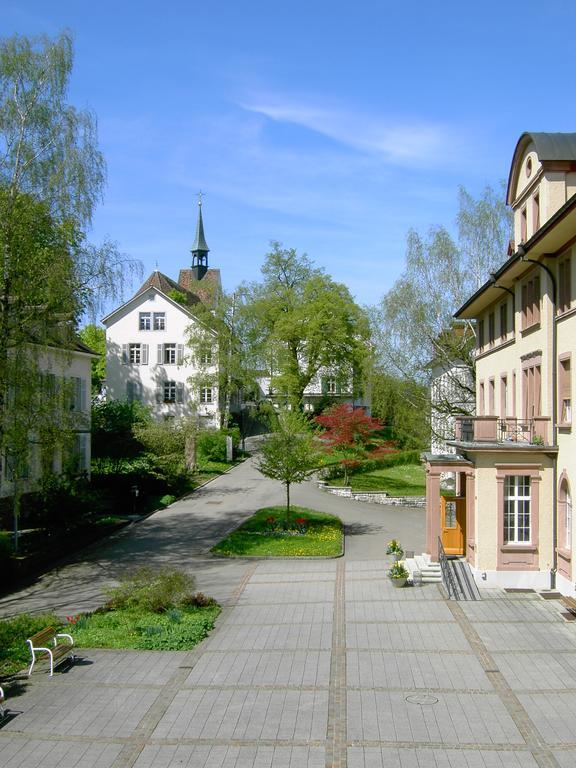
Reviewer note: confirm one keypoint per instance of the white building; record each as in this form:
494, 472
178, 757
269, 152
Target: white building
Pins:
66, 375
147, 356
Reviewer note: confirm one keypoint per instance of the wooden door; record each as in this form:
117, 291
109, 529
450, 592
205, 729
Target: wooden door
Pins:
453, 511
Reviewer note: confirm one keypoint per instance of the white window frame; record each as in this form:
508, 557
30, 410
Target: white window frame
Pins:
145, 321
517, 509
159, 321
135, 354
206, 395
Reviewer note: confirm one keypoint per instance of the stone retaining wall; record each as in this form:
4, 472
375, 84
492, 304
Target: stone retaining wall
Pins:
372, 497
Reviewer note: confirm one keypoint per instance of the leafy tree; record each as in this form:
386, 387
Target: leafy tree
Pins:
347, 430
403, 405
94, 336
298, 321
51, 178
113, 431
289, 454
414, 327
216, 342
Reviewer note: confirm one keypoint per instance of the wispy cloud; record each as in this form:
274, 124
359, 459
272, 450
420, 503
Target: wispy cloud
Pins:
398, 141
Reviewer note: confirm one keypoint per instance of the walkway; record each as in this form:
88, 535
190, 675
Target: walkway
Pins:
312, 664
320, 664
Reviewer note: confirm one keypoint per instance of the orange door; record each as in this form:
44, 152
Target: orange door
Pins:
453, 522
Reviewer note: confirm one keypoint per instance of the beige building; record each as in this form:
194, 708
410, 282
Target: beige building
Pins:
515, 460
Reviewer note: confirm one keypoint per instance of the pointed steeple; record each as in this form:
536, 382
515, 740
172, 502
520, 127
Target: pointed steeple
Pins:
200, 247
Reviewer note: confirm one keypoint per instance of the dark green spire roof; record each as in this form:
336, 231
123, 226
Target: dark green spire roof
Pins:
199, 244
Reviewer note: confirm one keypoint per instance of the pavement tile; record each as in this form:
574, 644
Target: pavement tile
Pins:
16, 752
566, 759
538, 670
407, 636
457, 718
384, 669
88, 711
511, 610
287, 593
529, 637
292, 577
129, 667
273, 637
303, 613
553, 714
185, 756
382, 589
245, 715
398, 611
261, 668
376, 757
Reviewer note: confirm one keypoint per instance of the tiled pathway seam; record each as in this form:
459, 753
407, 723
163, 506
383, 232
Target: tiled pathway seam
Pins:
130, 753
541, 753
336, 732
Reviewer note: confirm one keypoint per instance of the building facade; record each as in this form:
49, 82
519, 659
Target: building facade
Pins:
516, 459
148, 355
64, 375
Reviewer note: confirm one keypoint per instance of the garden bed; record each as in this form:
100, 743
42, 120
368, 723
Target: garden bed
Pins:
265, 534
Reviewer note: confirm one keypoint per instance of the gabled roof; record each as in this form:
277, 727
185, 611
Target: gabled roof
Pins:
207, 289
165, 284
550, 147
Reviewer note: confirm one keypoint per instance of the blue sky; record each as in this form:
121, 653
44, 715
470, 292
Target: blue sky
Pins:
333, 127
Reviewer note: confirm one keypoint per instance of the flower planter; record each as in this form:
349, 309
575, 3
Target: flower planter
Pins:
398, 582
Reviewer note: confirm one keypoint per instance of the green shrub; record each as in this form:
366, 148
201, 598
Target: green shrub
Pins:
211, 445
150, 590
166, 500
14, 653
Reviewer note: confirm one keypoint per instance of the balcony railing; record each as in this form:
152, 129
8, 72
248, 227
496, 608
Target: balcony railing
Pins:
492, 429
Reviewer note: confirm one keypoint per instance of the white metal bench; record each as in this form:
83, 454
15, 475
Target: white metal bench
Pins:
47, 645
3, 710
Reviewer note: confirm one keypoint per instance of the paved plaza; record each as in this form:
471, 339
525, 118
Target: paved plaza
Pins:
312, 664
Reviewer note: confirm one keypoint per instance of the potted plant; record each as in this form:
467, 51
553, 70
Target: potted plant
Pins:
394, 548
398, 574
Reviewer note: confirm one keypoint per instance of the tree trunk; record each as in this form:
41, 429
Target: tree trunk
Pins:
287, 524
190, 452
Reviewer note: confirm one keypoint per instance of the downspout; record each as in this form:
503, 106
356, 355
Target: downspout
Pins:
550, 274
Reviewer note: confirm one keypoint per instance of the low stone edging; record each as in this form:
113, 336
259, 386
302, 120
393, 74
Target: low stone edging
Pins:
372, 497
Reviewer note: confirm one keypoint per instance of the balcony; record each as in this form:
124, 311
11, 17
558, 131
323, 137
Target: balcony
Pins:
508, 431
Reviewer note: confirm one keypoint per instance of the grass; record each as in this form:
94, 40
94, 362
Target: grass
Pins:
176, 629
323, 536
149, 610
405, 480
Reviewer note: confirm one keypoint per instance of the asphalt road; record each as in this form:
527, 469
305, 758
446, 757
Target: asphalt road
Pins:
181, 536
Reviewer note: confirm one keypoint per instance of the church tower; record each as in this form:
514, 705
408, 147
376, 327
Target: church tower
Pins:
199, 248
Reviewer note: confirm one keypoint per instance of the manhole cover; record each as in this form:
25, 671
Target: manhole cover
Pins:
421, 698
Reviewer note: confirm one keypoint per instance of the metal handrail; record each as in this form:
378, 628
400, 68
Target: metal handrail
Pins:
447, 575
515, 430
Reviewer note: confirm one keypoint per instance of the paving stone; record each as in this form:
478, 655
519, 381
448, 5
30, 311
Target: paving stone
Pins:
287, 668
287, 593
240, 714
185, 756
398, 611
273, 636
538, 670
384, 669
303, 613
406, 636
130, 667
566, 759
376, 757
274, 577
16, 752
530, 637
382, 589
298, 566
511, 610
457, 718
90, 710
554, 715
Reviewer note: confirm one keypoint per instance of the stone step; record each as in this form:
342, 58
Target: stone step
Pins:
431, 572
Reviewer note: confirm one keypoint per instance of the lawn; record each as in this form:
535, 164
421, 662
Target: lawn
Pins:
405, 480
320, 536
150, 610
